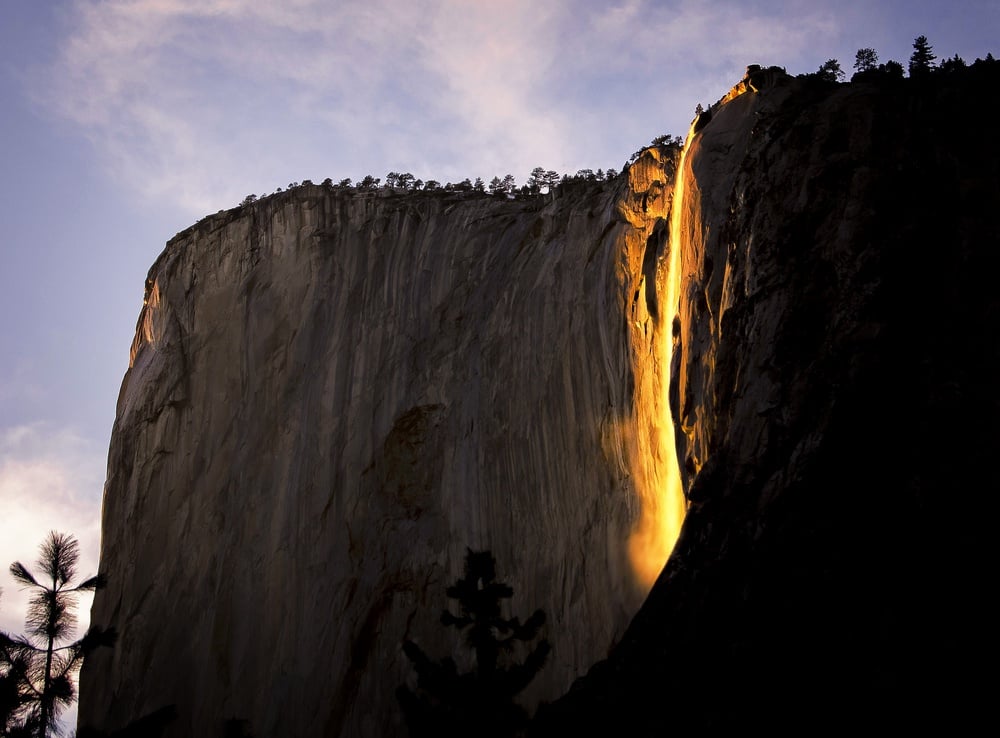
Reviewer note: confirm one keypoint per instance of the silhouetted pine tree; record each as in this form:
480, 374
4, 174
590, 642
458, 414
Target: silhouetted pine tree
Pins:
480, 703
39, 667
922, 59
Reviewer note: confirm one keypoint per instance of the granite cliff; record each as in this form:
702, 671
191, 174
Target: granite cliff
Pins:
333, 393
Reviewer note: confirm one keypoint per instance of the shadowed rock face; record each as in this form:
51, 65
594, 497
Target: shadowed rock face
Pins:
836, 388
331, 395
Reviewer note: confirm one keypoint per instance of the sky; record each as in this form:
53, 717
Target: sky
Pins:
122, 122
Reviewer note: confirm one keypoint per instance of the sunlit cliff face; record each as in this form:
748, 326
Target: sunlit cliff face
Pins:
656, 471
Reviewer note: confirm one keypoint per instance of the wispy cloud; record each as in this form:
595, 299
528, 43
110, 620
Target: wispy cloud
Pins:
50, 479
495, 60
202, 102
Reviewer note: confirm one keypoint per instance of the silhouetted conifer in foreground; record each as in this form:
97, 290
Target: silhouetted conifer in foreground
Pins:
479, 703
38, 668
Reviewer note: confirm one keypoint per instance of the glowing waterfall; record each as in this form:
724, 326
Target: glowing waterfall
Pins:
659, 482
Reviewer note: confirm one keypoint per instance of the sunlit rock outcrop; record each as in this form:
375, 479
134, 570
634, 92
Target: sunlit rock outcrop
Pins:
331, 395
837, 404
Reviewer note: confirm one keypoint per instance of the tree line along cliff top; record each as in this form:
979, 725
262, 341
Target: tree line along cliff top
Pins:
922, 70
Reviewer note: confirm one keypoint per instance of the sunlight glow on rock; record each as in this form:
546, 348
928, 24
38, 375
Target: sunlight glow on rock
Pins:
657, 473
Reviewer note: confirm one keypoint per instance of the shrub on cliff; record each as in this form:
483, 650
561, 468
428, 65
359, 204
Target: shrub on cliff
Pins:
865, 59
830, 71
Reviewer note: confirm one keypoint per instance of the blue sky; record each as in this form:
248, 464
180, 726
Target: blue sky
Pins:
124, 121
